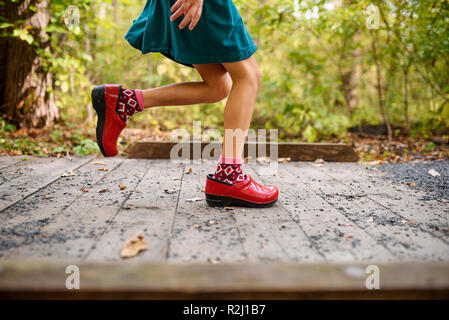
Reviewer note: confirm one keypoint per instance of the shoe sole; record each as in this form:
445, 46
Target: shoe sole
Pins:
219, 201
100, 107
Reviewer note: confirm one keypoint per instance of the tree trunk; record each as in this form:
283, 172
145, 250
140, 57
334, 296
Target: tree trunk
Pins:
407, 120
351, 79
379, 87
24, 99
116, 10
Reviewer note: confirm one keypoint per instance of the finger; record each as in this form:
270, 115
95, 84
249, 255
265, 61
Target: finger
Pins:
195, 19
185, 21
177, 5
178, 13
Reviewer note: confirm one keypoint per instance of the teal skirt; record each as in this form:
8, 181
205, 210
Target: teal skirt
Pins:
219, 36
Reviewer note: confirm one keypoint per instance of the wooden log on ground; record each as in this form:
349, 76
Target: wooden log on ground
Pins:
295, 151
47, 279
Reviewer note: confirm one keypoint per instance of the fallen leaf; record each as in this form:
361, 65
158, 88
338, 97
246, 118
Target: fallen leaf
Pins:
84, 189
122, 187
196, 226
175, 178
262, 160
373, 163
188, 171
194, 199
103, 169
214, 261
48, 196
99, 162
68, 174
170, 191
203, 190
104, 190
318, 163
412, 184
434, 173
349, 237
136, 175
133, 246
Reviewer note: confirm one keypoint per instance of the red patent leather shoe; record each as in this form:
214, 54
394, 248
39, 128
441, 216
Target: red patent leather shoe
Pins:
105, 99
246, 193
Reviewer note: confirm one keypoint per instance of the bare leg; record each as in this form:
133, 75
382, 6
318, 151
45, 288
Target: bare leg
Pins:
245, 75
215, 86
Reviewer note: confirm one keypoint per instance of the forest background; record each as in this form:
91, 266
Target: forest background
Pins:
371, 73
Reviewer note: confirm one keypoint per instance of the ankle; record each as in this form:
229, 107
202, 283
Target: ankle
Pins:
230, 160
139, 96
230, 172
129, 103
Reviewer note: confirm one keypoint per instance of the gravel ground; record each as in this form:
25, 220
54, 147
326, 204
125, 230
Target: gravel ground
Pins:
437, 188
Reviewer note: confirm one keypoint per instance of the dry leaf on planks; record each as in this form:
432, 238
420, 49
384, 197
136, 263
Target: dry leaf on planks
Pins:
133, 246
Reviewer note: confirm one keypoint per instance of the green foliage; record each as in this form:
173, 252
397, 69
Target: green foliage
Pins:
86, 146
24, 145
6, 126
306, 50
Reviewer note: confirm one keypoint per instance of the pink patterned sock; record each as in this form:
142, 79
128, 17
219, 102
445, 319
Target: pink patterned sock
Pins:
131, 101
229, 170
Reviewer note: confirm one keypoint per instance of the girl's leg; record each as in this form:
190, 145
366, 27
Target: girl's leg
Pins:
215, 86
229, 186
245, 75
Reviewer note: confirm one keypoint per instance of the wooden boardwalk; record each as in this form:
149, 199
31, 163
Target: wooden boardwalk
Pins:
74, 209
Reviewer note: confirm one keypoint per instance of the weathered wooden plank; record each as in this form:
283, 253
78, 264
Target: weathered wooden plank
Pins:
22, 168
150, 210
201, 233
36, 175
430, 215
334, 235
22, 222
73, 232
6, 161
255, 229
287, 232
404, 240
296, 151
46, 279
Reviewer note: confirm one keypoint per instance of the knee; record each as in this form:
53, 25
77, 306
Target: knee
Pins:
250, 75
257, 75
220, 89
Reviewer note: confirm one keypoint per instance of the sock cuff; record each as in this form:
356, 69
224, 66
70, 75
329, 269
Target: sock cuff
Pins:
139, 96
230, 160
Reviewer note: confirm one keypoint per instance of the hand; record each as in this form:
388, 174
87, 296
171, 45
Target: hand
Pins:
191, 9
